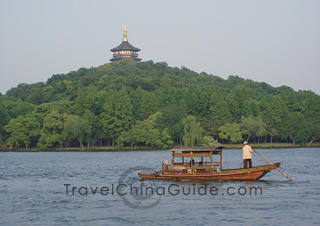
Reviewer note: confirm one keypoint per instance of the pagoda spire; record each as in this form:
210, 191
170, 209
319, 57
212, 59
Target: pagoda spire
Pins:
125, 32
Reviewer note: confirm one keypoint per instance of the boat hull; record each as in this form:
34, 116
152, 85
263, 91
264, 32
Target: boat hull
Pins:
254, 173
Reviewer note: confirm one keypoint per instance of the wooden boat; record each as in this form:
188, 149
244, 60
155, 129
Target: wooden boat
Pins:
209, 170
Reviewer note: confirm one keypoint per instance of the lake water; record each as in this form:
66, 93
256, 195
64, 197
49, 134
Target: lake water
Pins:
36, 188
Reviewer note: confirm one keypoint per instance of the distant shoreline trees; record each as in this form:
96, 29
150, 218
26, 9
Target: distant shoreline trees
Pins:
130, 103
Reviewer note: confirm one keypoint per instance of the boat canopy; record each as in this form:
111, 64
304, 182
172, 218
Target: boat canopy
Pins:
196, 149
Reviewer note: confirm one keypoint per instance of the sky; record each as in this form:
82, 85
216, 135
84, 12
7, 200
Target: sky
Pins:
272, 41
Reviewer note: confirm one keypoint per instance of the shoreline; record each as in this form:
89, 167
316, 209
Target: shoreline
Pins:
147, 148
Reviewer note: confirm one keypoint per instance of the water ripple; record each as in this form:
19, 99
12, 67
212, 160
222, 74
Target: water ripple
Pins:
33, 192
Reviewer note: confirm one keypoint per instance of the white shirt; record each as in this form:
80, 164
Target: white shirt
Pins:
247, 150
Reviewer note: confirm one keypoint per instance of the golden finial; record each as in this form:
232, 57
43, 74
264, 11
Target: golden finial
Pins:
125, 32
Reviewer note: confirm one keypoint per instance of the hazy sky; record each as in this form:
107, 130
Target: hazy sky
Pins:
275, 41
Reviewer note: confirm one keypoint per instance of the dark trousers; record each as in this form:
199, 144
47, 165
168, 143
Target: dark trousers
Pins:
245, 163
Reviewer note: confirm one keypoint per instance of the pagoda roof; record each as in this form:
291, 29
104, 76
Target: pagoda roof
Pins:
125, 46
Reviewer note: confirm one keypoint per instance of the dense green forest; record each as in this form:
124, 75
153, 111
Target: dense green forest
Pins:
129, 103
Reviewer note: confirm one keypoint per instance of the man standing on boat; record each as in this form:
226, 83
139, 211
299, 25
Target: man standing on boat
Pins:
247, 156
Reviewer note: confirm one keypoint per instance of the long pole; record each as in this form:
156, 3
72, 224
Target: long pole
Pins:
265, 159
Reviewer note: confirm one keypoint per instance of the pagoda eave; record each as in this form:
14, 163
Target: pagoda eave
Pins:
125, 46
117, 59
117, 50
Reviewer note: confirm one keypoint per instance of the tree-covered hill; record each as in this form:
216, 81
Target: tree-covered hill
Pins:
147, 103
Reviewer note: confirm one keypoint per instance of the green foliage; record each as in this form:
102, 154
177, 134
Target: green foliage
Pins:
140, 132
93, 135
313, 130
77, 127
1, 140
87, 99
252, 126
16, 108
166, 140
192, 132
52, 132
4, 116
146, 132
147, 103
117, 114
295, 127
171, 119
209, 142
22, 91
241, 102
230, 132
23, 130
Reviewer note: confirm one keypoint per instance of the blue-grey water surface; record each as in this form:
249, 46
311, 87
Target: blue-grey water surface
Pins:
33, 191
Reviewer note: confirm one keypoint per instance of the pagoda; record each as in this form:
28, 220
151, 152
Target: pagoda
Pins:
125, 49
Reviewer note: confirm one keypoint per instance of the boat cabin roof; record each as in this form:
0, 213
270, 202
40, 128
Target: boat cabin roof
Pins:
196, 149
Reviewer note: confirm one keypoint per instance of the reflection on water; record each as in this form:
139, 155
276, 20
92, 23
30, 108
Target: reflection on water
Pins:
33, 190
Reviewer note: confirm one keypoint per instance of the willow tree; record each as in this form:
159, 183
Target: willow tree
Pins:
192, 133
